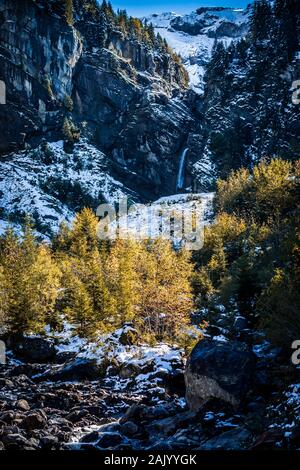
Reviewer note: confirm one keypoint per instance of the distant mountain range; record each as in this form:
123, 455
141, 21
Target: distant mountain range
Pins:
193, 35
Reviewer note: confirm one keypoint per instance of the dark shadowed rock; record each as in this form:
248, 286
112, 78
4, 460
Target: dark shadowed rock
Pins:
64, 356
91, 437
221, 370
236, 439
79, 369
34, 421
129, 429
34, 349
109, 440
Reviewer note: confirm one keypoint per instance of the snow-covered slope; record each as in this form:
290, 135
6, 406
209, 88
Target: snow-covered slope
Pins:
193, 35
52, 185
164, 218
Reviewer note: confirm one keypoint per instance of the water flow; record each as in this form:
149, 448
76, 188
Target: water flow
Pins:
180, 177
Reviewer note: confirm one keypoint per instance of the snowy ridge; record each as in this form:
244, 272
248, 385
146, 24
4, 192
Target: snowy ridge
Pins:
193, 35
51, 184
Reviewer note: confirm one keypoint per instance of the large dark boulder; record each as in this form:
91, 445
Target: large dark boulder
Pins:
235, 439
33, 349
221, 370
78, 369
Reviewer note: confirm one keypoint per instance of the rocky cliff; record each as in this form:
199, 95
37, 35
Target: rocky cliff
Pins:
91, 79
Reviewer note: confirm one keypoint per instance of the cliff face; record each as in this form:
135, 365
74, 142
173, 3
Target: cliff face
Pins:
38, 54
248, 107
127, 98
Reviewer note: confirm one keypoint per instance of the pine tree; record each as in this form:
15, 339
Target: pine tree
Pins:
124, 280
69, 12
165, 294
260, 20
32, 280
77, 305
84, 233
3, 299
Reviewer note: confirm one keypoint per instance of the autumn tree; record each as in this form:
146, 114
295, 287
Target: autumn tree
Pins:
69, 12
32, 280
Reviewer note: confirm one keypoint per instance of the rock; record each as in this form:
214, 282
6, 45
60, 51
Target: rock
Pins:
79, 369
27, 370
49, 442
240, 323
76, 415
34, 349
221, 370
129, 370
23, 405
34, 421
133, 413
129, 336
64, 356
109, 440
14, 441
169, 425
129, 428
174, 382
236, 439
91, 437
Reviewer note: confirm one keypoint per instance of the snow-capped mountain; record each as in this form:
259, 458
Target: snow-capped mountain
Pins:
193, 35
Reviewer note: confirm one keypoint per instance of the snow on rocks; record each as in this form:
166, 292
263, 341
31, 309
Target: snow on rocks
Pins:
129, 363
193, 35
49, 184
153, 221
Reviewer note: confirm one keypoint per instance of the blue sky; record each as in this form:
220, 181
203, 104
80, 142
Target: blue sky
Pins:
144, 7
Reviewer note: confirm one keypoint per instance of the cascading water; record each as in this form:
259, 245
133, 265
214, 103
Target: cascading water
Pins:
180, 176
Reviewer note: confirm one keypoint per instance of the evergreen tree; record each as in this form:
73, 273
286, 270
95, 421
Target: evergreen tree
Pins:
260, 20
3, 299
69, 12
32, 279
84, 233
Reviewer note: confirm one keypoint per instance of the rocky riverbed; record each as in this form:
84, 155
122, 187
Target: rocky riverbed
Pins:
126, 395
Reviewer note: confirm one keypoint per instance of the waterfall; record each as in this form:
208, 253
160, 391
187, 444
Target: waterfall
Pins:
180, 176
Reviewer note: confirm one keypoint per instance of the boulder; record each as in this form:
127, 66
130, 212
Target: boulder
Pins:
14, 441
78, 369
221, 370
129, 429
128, 336
65, 356
236, 439
109, 440
129, 370
34, 421
23, 405
240, 323
34, 349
